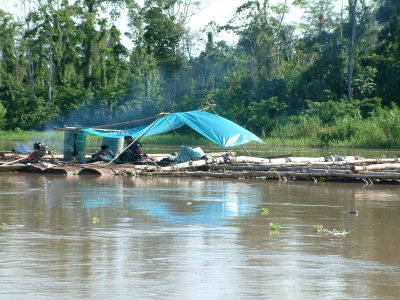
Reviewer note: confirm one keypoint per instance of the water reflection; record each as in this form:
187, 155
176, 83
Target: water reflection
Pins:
194, 202
169, 238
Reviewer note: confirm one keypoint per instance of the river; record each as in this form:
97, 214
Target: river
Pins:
84, 237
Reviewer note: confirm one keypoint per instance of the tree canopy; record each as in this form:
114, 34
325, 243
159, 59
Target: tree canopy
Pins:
65, 63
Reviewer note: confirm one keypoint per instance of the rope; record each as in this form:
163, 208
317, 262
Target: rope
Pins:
173, 129
128, 122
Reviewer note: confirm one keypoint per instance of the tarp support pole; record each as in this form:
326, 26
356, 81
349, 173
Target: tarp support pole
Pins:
173, 129
127, 147
246, 150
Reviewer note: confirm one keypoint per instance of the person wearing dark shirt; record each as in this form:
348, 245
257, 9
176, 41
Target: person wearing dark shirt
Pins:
105, 154
134, 152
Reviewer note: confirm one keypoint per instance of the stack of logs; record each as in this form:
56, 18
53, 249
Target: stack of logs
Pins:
348, 168
351, 168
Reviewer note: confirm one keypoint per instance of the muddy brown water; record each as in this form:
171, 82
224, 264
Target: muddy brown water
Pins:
181, 238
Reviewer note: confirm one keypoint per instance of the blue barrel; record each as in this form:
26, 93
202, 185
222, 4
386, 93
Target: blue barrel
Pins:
116, 145
75, 145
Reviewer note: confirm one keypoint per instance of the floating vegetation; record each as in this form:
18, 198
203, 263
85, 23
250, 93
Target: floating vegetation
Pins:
319, 179
265, 211
324, 231
273, 226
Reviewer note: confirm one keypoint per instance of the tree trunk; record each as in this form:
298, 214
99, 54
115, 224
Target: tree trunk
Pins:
89, 46
351, 50
31, 81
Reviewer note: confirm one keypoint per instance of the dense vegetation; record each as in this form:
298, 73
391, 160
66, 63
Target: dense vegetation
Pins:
333, 79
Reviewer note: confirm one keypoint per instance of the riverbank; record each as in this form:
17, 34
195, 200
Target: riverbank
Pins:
334, 126
289, 135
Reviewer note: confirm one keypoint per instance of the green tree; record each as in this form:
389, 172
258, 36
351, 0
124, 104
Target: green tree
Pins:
353, 22
387, 54
160, 48
263, 114
3, 112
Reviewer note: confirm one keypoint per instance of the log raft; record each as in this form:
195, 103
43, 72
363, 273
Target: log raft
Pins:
286, 168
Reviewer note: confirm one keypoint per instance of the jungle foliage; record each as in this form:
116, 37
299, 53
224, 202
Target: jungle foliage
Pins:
65, 63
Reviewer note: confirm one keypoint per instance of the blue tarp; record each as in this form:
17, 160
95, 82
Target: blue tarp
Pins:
218, 129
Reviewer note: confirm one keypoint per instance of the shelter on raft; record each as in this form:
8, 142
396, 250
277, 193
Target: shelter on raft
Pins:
224, 133
219, 130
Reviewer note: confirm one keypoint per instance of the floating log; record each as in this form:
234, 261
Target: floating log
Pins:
283, 175
373, 161
307, 162
258, 160
191, 164
128, 171
32, 169
284, 168
96, 171
293, 160
306, 159
11, 168
277, 156
3, 154
376, 167
58, 171
37, 169
273, 168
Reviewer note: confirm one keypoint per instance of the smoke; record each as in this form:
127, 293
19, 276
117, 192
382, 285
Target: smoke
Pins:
23, 149
51, 139
96, 115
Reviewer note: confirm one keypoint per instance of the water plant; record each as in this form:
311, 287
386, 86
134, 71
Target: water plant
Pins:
273, 226
265, 211
319, 179
324, 231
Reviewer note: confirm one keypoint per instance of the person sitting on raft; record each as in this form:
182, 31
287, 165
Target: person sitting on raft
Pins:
134, 152
39, 150
105, 154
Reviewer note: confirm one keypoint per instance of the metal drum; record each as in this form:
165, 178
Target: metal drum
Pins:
116, 145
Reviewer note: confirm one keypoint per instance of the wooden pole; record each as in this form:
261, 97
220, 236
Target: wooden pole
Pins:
248, 153
375, 167
285, 175
173, 129
152, 124
14, 161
